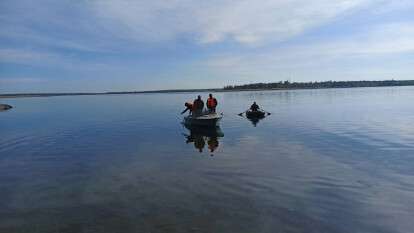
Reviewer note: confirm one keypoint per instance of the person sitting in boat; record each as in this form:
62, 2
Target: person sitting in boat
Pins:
198, 106
211, 104
254, 107
189, 107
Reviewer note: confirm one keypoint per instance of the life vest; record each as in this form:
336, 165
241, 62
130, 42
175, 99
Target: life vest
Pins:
211, 102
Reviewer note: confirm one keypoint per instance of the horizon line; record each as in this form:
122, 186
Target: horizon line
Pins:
46, 94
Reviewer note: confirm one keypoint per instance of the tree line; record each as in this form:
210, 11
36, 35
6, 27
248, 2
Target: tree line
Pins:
324, 84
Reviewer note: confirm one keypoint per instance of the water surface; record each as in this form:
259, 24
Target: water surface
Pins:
335, 160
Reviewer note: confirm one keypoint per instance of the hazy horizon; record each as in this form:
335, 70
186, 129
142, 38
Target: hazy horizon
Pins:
106, 46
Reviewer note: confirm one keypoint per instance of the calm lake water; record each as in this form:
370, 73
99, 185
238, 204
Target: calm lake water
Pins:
335, 160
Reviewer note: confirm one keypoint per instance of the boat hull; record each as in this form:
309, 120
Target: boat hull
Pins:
208, 120
255, 114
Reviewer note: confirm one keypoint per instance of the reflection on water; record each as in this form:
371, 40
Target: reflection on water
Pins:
336, 161
255, 120
202, 136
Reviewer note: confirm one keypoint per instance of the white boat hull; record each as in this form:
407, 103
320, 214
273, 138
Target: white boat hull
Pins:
208, 120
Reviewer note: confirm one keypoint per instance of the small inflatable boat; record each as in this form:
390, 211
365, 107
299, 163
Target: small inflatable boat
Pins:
255, 114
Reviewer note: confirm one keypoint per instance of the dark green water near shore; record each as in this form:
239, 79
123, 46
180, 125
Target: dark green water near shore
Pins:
333, 160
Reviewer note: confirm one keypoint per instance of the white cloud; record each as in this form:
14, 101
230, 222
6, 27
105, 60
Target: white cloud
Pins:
374, 47
47, 59
22, 56
26, 34
245, 21
385, 6
384, 39
104, 25
390, 38
19, 80
110, 39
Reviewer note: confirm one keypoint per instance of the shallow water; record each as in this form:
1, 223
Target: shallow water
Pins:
335, 160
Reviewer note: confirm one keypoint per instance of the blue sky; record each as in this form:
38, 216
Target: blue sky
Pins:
59, 46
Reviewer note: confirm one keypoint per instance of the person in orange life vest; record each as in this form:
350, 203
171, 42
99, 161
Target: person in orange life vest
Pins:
189, 106
211, 103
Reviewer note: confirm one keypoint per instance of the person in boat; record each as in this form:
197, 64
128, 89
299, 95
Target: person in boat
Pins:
254, 107
211, 104
198, 106
188, 107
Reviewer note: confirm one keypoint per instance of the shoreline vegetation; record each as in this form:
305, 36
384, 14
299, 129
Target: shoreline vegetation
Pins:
321, 85
282, 85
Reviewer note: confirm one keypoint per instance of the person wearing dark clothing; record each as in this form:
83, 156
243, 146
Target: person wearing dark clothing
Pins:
211, 103
254, 107
198, 106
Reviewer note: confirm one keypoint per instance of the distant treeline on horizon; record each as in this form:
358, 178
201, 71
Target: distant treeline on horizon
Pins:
253, 86
324, 84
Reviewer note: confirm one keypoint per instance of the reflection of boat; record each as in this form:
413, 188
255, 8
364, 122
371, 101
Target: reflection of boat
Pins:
255, 120
255, 116
205, 131
199, 136
207, 120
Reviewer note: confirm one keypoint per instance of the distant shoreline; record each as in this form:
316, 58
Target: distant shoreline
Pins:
248, 87
25, 95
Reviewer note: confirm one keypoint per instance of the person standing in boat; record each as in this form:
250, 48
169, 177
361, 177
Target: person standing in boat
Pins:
211, 104
198, 106
254, 107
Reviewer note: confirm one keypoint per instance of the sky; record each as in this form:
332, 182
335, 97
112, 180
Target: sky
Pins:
108, 45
